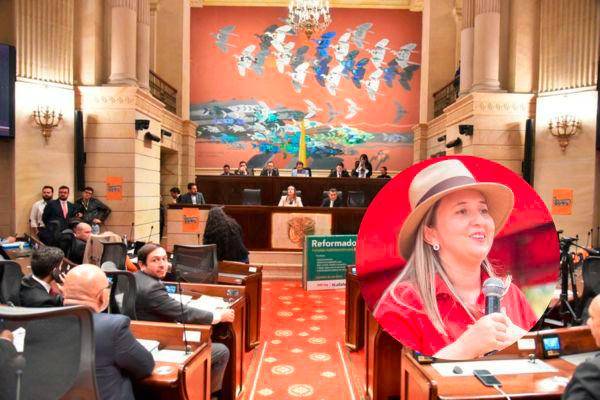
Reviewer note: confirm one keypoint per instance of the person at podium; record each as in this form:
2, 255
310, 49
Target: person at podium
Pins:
436, 305
291, 199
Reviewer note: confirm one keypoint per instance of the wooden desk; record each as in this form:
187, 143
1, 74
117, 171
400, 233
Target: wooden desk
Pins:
256, 223
250, 277
384, 354
424, 382
228, 189
190, 380
355, 312
23, 258
231, 335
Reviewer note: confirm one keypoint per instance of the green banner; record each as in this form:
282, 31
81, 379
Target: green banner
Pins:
325, 260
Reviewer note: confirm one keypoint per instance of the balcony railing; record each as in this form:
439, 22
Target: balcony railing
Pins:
445, 96
164, 92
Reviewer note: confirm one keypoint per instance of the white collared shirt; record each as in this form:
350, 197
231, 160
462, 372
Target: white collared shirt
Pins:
37, 210
331, 203
46, 285
193, 197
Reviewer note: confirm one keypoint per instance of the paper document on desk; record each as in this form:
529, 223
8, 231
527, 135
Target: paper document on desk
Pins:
496, 367
182, 298
208, 303
174, 356
150, 345
577, 359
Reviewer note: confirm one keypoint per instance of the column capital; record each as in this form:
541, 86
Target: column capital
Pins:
487, 6
131, 4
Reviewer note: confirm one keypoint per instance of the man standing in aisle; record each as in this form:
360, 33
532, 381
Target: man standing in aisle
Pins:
37, 210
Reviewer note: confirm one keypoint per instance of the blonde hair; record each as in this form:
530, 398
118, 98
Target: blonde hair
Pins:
420, 271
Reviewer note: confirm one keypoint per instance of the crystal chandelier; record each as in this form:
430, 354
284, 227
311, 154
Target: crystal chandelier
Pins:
309, 15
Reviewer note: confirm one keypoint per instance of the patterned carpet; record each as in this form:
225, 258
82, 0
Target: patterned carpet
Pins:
302, 353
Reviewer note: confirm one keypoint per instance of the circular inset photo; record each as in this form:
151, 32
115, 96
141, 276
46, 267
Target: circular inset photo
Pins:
457, 257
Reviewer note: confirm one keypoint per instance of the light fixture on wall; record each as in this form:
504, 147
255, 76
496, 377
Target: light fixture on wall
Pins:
564, 127
309, 16
46, 120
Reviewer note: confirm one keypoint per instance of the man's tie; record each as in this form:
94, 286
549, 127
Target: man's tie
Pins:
64, 209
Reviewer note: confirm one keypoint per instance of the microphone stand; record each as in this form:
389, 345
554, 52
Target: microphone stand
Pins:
19, 364
187, 347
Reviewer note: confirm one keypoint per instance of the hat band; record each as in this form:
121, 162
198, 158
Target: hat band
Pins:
445, 185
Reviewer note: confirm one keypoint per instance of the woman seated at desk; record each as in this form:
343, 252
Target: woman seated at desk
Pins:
291, 199
436, 305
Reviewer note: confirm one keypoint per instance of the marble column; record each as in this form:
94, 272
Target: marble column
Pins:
466, 46
123, 40
143, 43
486, 45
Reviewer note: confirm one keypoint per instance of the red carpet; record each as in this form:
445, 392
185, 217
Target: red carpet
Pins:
302, 353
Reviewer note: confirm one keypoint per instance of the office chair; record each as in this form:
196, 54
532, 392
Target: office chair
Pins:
251, 197
196, 264
591, 285
10, 283
122, 293
356, 198
115, 252
59, 358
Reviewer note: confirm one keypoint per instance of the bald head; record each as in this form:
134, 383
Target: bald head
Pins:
594, 319
83, 231
84, 285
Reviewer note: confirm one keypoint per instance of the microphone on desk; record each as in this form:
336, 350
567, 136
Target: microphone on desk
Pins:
19, 365
178, 277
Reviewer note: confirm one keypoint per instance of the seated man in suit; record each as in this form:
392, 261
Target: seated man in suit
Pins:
36, 288
227, 170
57, 214
299, 170
243, 169
153, 303
193, 196
585, 383
332, 199
119, 356
339, 171
8, 378
269, 170
383, 173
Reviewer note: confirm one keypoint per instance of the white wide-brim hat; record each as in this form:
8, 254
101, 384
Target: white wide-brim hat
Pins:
440, 179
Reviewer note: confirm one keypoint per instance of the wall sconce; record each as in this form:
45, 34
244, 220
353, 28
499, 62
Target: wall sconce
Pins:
46, 120
564, 127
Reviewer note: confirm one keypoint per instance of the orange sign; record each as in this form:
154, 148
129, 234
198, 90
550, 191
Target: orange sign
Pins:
562, 201
191, 220
114, 188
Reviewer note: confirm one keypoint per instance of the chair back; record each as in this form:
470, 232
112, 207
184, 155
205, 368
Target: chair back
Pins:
356, 198
591, 284
115, 252
196, 264
58, 352
10, 282
298, 192
122, 293
251, 197
65, 242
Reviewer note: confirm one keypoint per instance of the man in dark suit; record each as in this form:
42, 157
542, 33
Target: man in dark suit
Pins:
8, 378
339, 171
585, 383
153, 303
193, 196
383, 173
243, 169
119, 356
36, 288
332, 199
269, 170
93, 211
59, 211
227, 170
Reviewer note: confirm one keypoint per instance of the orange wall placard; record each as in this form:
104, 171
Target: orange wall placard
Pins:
191, 220
562, 201
114, 188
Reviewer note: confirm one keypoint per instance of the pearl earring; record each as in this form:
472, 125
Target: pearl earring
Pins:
436, 247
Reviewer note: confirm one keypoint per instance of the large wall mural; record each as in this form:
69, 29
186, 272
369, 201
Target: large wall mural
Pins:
355, 87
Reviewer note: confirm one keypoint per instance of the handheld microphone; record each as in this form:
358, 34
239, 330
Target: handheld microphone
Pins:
19, 366
187, 346
493, 289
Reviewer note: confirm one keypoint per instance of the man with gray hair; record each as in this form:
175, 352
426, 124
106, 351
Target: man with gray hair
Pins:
36, 289
119, 356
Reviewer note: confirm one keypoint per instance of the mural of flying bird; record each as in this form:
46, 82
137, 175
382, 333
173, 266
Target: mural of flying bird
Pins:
372, 84
332, 79
321, 69
403, 55
400, 111
299, 57
348, 62
358, 73
390, 72
342, 47
265, 45
333, 113
246, 59
299, 75
312, 109
378, 52
406, 76
360, 33
323, 44
283, 58
222, 37
353, 109
278, 36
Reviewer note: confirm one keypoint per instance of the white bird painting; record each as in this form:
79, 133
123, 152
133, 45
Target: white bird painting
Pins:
342, 47
299, 75
245, 59
332, 79
353, 109
278, 37
312, 109
283, 58
372, 84
378, 52
403, 55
